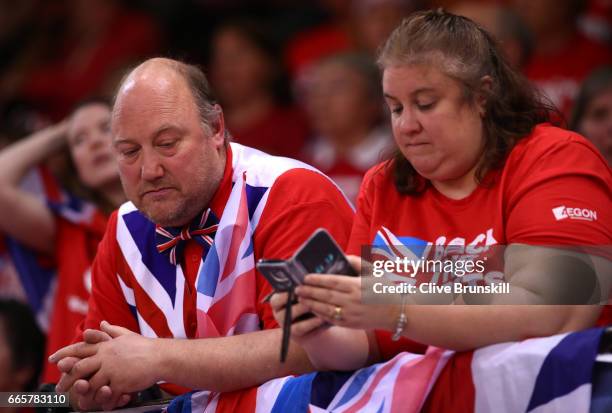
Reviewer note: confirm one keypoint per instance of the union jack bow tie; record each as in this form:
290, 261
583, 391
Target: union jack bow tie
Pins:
171, 241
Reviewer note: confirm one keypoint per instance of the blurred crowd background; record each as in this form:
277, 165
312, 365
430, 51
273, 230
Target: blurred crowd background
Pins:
286, 72
295, 78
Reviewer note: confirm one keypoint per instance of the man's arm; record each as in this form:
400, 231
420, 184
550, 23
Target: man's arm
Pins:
131, 362
241, 361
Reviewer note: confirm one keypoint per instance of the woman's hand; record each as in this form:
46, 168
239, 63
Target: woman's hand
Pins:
337, 299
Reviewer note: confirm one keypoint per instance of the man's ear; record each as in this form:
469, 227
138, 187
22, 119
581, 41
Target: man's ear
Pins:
219, 133
486, 86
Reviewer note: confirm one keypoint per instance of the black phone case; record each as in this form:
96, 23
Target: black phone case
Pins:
319, 254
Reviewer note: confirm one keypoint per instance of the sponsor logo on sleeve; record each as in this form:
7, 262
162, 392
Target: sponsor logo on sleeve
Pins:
562, 212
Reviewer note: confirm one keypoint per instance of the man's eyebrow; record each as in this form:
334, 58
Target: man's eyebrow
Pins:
165, 128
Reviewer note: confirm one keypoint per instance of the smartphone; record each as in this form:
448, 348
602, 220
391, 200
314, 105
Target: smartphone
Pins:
319, 254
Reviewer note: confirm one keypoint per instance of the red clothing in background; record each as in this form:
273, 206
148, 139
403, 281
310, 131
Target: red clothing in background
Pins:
559, 75
60, 83
282, 132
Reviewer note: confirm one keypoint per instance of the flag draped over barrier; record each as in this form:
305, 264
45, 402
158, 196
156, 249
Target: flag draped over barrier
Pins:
551, 374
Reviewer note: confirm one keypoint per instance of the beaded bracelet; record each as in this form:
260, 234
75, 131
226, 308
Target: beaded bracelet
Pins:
401, 321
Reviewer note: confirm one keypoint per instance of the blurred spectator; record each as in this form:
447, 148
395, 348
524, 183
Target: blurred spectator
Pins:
10, 286
592, 114
28, 33
375, 19
334, 35
359, 25
596, 23
97, 37
562, 57
345, 106
248, 82
509, 29
68, 226
21, 348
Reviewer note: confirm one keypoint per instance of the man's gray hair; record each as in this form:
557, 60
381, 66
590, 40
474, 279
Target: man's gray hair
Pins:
202, 94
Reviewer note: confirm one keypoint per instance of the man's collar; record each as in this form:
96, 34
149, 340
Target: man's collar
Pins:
217, 204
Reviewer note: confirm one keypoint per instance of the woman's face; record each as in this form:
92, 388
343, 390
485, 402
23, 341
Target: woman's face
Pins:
89, 140
596, 123
435, 128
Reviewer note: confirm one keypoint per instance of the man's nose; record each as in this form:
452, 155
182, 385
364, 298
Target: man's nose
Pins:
151, 168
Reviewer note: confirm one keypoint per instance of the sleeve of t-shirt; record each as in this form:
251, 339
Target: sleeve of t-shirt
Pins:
360, 232
562, 198
300, 201
106, 301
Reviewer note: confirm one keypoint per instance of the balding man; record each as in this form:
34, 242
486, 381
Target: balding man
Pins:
177, 261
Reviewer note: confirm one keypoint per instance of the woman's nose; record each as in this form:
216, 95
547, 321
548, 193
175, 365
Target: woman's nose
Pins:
408, 123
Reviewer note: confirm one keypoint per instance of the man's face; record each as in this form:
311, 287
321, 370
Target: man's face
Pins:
170, 164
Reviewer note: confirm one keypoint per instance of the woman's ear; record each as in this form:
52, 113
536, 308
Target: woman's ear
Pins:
486, 86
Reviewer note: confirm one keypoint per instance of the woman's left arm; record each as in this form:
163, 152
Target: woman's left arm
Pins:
465, 327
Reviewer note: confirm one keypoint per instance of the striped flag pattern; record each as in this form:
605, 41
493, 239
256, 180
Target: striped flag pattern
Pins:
154, 288
550, 374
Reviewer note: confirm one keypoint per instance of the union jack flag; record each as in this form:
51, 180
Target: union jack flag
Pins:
550, 374
154, 288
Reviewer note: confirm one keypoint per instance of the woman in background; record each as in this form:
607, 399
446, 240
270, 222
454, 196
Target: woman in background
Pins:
592, 113
68, 230
248, 81
345, 108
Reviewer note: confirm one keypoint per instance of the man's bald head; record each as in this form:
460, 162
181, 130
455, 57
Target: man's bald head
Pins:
169, 138
162, 75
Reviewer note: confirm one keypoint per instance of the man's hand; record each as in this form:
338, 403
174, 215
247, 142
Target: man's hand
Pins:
104, 369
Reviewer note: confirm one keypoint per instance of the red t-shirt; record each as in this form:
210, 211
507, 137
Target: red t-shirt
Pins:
547, 173
76, 244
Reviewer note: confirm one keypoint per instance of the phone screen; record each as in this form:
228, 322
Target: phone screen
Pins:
322, 255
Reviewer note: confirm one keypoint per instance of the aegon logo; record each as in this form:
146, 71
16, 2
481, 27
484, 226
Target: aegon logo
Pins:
562, 212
